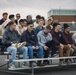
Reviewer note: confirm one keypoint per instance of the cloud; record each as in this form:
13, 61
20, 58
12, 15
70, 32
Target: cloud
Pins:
34, 7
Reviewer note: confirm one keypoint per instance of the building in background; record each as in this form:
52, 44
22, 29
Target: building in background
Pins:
64, 15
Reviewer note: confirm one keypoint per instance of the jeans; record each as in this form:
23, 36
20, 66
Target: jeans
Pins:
31, 51
51, 44
14, 50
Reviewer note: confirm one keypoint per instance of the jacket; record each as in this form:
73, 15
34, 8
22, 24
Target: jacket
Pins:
43, 38
59, 37
30, 38
10, 36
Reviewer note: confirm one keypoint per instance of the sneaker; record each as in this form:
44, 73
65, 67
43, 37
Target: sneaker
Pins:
24, 65
40, 64
68, 62
46, 63
72, 60
34, 64
12, 66
55, 55
61, 63
19, 45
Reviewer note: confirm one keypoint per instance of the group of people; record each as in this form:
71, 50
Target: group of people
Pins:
37, 37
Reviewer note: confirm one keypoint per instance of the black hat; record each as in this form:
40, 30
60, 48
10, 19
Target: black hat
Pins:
65, 25
29, 22
11, 16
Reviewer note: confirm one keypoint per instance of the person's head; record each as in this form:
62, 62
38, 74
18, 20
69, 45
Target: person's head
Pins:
41, 23
5, 15
25, 22
30, 25
66, 27
43, 20
51, 19
11, 17
38, 17
18, 16
21, 22
57, 26
12, 25
47, 29
29, 18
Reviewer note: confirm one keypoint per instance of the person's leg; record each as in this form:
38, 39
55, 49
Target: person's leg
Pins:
46, 55
30, 52
60, 51
40, 55
23, 50
67, 48
52, 44
60, 54
40, 52
14, 51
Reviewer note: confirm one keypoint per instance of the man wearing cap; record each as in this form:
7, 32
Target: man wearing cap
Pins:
32, 42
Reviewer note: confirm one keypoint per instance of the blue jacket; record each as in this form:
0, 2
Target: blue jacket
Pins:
37, 29
30, 38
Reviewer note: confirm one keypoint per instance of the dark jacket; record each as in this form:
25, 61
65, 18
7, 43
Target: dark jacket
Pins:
30, 38
10, 36
59, 38
1, 21
16, 21
68, 38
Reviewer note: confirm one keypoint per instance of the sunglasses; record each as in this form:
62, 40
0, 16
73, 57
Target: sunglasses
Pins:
18, 16
31, 26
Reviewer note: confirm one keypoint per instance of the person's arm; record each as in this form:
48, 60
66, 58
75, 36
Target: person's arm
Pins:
54, 38
39, 40
6, 38
50, 36
19, 36
24, 38
64, 38
17, 28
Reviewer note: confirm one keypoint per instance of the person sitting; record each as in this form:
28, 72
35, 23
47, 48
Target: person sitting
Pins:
39, 27
61, 42
21, 27
68, 37
10, 39
46, 41
30, 37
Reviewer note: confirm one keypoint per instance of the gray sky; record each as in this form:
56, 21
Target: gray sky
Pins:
34, 7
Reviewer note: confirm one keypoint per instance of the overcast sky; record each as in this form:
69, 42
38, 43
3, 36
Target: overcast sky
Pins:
34, 7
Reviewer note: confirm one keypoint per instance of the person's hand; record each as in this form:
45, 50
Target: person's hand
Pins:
61, 45
45, 47
33, 47
69, 45
72, 45
36, 48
